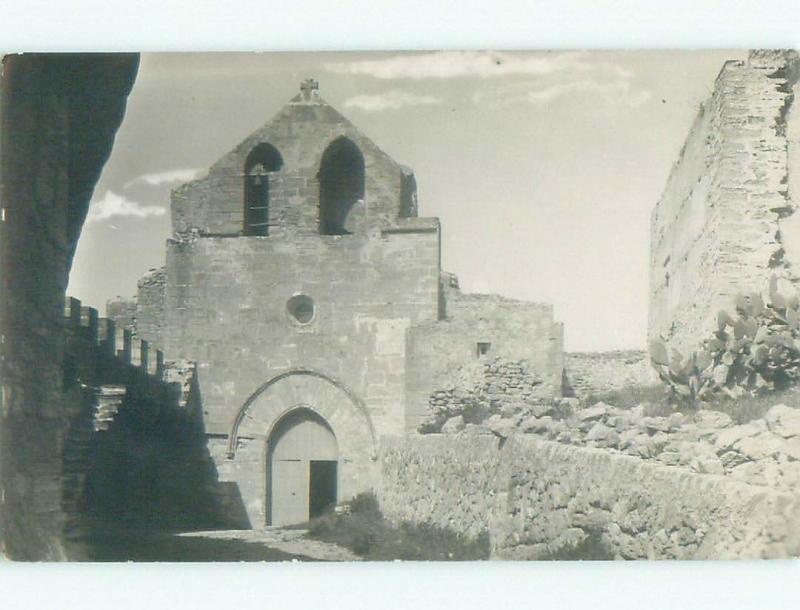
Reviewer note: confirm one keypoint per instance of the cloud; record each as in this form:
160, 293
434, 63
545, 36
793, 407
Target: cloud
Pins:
483, 64
112, 205
166, 177
541, 93
391, 100
539, 78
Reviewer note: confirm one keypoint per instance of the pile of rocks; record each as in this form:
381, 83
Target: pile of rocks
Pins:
764, 451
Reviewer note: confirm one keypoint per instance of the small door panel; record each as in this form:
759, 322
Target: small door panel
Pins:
322, 487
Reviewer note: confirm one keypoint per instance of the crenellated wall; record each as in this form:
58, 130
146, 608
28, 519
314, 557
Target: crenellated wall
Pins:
134, 448
726, 220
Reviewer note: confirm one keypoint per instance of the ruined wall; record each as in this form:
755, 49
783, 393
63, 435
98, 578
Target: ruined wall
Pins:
150, 301
122, 312
59, 116
595, 373
444, 356
535, 496
726, 220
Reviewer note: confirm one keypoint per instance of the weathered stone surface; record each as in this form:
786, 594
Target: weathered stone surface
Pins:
760, 446
730, 436
727, 218
594, 412
453, 425
712, 419
598, 373
59, 116
599, 432
541, 410
532, 495
783, 420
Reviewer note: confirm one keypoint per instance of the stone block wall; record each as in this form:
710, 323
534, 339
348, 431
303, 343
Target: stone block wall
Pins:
448, 355
214, 205
58, 116
227, 309
150, 299
535, 496
596, 373
122, 312
726, 220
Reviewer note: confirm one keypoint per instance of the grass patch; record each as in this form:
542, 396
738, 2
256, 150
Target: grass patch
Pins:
658, 402
365, 531
748, 408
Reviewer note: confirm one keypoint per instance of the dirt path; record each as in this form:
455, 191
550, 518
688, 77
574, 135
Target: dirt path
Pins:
289, 541
223, 545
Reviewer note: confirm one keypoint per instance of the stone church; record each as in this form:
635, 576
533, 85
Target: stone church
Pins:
302, 282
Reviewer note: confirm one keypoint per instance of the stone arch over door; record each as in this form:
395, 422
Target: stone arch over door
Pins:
262, 413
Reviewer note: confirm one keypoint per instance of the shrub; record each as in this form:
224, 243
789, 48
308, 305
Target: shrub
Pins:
756, 349
364, 530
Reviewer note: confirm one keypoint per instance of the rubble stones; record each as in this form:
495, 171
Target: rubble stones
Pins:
729, 437
593, 413
453, 425
783, 421
712, 419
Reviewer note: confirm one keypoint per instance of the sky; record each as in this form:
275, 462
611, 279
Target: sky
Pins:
543, 167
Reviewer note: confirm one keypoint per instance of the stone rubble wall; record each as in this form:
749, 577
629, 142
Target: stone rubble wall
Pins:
479, 388
122, 312
596, 373
726, 220
534, 496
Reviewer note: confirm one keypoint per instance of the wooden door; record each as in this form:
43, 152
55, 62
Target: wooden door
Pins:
300, 438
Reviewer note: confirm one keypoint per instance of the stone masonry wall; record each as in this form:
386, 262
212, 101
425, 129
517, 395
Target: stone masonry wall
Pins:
443, 356
301, 131
227, 310
122, 312
59, 113
595, 373
150, 300
726, 220
535, 496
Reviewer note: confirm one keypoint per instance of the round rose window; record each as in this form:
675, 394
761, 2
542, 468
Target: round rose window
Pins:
301, 308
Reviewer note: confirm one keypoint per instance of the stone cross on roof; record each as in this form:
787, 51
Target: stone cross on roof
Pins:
309, 88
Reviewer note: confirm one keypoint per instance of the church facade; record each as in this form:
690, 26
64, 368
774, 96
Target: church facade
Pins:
309, 292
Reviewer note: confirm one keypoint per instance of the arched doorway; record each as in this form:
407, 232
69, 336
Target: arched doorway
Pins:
302, 468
